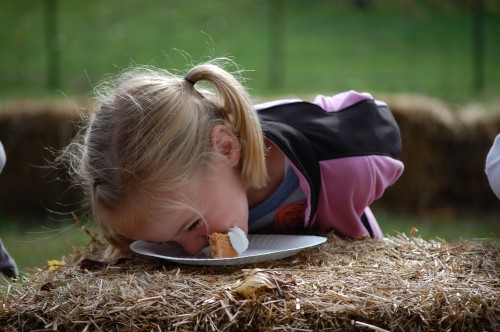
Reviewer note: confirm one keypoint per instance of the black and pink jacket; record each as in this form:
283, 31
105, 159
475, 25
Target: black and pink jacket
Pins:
345, 151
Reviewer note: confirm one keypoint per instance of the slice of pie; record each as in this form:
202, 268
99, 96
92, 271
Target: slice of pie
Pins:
221, 246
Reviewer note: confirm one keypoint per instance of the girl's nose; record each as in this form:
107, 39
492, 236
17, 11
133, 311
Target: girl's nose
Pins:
193, 245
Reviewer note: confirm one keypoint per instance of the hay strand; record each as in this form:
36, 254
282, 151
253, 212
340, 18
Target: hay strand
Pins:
397, 284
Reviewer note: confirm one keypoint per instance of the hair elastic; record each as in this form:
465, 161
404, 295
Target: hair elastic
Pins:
187, 79
97, 182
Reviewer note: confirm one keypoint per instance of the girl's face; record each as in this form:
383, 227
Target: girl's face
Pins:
214, 202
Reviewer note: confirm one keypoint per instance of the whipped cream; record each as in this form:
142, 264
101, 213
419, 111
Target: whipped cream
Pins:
238, 239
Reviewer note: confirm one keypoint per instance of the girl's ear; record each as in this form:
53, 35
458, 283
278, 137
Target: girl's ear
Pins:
226, 144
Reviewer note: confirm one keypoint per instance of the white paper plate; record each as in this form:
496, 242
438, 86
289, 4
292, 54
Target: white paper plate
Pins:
262, 247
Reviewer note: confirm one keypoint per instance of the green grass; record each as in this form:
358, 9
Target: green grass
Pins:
450, 227
422, 47
32, 245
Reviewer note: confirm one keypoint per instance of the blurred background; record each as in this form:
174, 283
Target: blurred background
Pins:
446, 49
437, 63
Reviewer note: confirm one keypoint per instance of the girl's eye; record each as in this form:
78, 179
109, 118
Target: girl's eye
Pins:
194, 225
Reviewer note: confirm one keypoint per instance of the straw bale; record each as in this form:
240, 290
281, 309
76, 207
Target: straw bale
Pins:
427, 131
31, 132
444, 150
396, 284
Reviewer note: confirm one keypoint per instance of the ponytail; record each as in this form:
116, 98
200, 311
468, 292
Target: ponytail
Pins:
237, 108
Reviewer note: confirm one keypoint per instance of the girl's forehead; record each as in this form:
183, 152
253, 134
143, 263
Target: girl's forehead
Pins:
160, 221
143, 210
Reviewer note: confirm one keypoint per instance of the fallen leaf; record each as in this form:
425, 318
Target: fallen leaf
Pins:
54, 265
259, 280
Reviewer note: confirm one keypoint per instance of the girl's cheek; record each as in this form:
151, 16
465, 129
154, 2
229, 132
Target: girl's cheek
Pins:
196, 246
174, 244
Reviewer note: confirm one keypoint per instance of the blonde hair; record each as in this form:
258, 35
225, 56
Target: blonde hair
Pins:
151, 134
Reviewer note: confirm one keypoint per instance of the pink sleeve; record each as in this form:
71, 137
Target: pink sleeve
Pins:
330, 104
340, 101
350, 185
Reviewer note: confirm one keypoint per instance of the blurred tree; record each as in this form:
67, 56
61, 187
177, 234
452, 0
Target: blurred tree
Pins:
478, 42
52, 44
276, 44
361, 4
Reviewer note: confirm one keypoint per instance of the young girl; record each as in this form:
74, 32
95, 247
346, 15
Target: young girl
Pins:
175, 158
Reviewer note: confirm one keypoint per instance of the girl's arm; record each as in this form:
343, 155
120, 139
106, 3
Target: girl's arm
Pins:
350, 185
